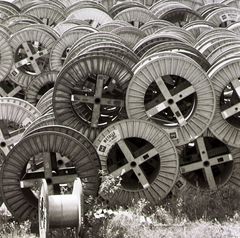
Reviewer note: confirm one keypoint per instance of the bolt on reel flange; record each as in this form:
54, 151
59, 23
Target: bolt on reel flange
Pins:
139, 154
173, 91
34, 158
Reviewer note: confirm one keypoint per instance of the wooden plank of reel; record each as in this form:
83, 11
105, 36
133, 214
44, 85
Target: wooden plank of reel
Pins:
60, 211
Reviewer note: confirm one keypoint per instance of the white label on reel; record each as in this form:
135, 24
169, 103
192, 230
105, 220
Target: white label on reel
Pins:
229, 17
108, 141
172, 133
14, 72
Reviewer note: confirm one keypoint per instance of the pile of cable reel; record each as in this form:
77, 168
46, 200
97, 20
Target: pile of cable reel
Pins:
145, 91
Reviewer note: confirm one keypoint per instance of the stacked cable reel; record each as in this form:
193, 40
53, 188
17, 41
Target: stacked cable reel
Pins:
146, 92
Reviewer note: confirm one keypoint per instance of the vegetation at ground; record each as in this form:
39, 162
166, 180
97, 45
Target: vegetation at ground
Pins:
190, 215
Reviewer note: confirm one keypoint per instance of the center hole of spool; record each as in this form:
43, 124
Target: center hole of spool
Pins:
60, 162
97, 100
170, 101
31, 58
49, 181
133, 164
3, 144
206, 163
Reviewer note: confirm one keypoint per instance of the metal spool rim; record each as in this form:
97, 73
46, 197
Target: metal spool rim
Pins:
53, 12
97, 16
84, 4
91, 39
122, 52
165, 6
22, 103
130, 35
6, 56
12, 19
172, 46
135, 14
200, 45
47, 119
77, 28
231, 53
150, 41
216, 15
122, 6
215, 42
190, 12
223, 49
111, 25
38, 83
71, 132
198, 22
214, 31
60, 46
188, 36
46, 95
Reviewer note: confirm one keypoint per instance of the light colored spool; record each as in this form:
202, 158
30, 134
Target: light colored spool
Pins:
96, 16
50, 15
60, 211
222, 74
226, 163
223, 17
136, 16
27, 38
150, 71
139, 144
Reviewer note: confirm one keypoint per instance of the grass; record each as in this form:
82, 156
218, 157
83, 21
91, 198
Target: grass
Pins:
195, 215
